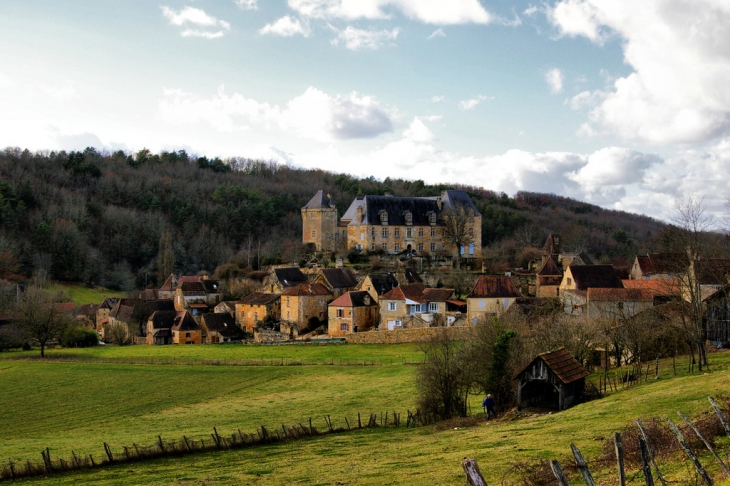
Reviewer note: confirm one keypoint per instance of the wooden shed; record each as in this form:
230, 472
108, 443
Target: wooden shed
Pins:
553, 380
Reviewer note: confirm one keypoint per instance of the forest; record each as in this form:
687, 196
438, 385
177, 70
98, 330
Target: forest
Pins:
126, 220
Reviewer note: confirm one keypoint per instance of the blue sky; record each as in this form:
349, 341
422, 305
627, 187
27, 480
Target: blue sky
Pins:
618, 103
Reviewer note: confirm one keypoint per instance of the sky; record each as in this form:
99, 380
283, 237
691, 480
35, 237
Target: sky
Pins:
619, 103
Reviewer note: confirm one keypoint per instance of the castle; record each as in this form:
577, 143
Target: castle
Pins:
394, 224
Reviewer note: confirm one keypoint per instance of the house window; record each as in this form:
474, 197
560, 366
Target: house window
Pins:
620, 305
314, 233
396, 233
420, 232
187, 334
255, 317
433, 232
391, 306
570, 282
397, 247
409, 232
385, 247
471, 248
481, 304
287, 301
385, 232
343, 326
340, 312
433, 307
287, 314
420, 247
433, 246
372, 246
398, 324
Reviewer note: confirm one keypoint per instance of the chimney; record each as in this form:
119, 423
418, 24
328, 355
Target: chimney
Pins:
359, 214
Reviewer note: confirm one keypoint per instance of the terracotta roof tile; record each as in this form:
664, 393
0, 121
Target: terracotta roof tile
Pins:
620, 295
308, 290
354, 298
492, 286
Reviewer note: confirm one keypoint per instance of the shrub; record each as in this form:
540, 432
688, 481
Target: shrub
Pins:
79, 337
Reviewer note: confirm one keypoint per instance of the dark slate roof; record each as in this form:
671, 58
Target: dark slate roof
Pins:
339, 278
258, 275
320, 200
224, 324
551, 267
308, 290
383, 282
354, 298
185, 322
492, 286
258, 298
597, 276
123, 309
192, 288
565, 367
583, 256
410, 292
397, 207
87, 310
163, 319
108, 303
160, 304
291, 276
211, 286
458, 198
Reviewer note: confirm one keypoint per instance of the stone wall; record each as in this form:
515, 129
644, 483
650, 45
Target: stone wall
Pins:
405, 335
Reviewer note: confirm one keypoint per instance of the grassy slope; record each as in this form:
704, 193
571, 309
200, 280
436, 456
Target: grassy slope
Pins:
125, 404
83, 295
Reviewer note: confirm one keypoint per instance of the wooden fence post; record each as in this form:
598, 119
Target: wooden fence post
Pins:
473, 474
720, 415
650, 451
690, 453
706, 442
619, 447
645, 463
558, 473
162, 446
582, 466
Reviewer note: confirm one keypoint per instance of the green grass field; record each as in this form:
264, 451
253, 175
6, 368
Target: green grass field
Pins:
81, 295
79, 406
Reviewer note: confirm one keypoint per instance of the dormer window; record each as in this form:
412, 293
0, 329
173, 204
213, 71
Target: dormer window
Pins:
409, 217
431, 217
383, 216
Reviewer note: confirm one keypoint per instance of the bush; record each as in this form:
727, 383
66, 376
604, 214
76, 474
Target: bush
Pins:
78, 337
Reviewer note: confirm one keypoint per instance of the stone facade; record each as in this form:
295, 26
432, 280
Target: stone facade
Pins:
257, 307
303, 303
352, 312
319, 222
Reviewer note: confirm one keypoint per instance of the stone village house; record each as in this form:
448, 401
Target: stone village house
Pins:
491, 296
257, 307
409, 306
305, 306
354, 311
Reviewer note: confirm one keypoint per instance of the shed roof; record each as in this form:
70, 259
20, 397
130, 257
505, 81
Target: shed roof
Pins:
494, 286
562, 363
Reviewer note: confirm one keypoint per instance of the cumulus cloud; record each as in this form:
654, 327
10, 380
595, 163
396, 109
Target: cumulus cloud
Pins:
418, 132
247, 4
677, 90
427, 11
470, 104
286, 27
314, 114
554, 79
437, 99
196, 22
358, 39
436, 33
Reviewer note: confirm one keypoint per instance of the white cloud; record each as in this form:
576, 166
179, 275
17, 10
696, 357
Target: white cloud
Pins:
437, 99
247, 4
418, 132
586, 99
286, 27
436, 33
427, 11
196, 22
554, 79
677, 90
314, 114
432, 118
358, 39
472, 103
613, 166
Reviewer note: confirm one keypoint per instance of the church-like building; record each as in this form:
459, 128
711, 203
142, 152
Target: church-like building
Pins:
414, 225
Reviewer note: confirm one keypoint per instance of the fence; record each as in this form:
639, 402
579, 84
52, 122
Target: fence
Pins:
186, 445
183, 361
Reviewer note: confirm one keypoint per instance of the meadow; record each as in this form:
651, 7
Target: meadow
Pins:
81, 295
79, 405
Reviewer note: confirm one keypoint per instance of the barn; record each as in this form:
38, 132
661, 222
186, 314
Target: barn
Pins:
552, 380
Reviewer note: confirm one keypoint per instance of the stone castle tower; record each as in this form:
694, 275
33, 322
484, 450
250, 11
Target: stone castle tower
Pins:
319, 222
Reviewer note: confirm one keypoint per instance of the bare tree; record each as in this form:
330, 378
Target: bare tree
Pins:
458, 226
39, 318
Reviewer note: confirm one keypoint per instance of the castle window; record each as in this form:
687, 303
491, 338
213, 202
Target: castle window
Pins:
420, 232
385, 247
432, 217
433, 246
420, 247
383, 216
409, 217
372, 246
314, 233
409, 232
433, 232
397, 247
385, 232
396, 233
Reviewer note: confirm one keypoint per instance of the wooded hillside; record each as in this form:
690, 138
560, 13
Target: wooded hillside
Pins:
121, 219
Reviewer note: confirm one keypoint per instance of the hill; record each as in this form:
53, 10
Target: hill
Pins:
103, 219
